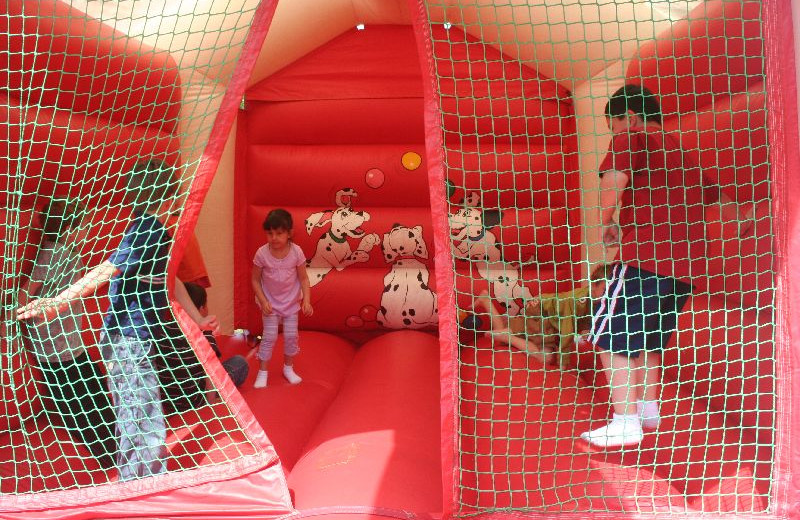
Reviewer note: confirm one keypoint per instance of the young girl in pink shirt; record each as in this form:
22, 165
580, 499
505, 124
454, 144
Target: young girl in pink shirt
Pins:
282, 290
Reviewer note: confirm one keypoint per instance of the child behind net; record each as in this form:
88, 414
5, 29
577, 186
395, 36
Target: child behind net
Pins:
549, 325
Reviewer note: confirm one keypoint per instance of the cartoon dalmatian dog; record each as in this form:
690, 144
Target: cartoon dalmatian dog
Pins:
333, 248
407, 301
473, 240
469, 231
504, 279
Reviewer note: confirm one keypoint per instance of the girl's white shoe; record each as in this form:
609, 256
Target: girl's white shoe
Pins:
261, 379
290, 375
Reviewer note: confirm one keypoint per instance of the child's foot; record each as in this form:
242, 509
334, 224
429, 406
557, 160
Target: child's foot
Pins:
261, 379
649, 415
623, 430
290, 375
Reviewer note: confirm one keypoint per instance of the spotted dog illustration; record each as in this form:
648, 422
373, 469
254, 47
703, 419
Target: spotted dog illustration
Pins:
469, 232
407, 301
504, 280
333, 248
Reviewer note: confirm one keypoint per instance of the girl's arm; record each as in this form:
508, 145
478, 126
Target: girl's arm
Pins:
612, 183
51, 307
305, 288
261, 298
204, 322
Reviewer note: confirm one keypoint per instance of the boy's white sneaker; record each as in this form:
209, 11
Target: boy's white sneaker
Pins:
261, 379
290, 375
618, 433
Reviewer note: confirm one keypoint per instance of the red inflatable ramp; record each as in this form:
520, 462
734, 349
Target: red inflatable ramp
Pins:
378, 443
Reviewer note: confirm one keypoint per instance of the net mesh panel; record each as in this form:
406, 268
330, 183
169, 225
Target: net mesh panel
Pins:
508, 168
83, 103
516, 187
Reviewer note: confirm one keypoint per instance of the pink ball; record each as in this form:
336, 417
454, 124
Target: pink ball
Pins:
368, 312
375, 178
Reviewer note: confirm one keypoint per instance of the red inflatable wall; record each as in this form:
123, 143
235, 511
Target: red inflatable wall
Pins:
349, 165
376, 444
297, 149
337, 139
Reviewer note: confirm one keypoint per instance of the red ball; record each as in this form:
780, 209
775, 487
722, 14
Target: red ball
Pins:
368, 313
354, 322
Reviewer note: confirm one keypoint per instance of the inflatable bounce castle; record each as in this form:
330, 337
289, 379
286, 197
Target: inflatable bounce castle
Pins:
430, 152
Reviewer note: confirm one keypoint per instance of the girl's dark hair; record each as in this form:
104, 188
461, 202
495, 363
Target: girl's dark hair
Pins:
640, 100
278, 219
57, 216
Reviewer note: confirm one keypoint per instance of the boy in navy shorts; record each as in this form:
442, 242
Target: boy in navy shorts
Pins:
661, 237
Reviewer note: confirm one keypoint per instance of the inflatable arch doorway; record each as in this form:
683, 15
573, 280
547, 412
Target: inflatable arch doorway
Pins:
429, 152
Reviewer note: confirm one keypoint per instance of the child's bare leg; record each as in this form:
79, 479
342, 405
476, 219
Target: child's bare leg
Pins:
625, 428
649, 389
620, 373
651, 379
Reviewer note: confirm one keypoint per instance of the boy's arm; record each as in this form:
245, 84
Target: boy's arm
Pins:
51, 307
305, 288
612, 183
261, 298
204, 322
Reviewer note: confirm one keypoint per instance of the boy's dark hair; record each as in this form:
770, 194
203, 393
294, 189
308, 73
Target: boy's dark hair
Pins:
149, 183
278, 219
640, 100
57, 216
197, 294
